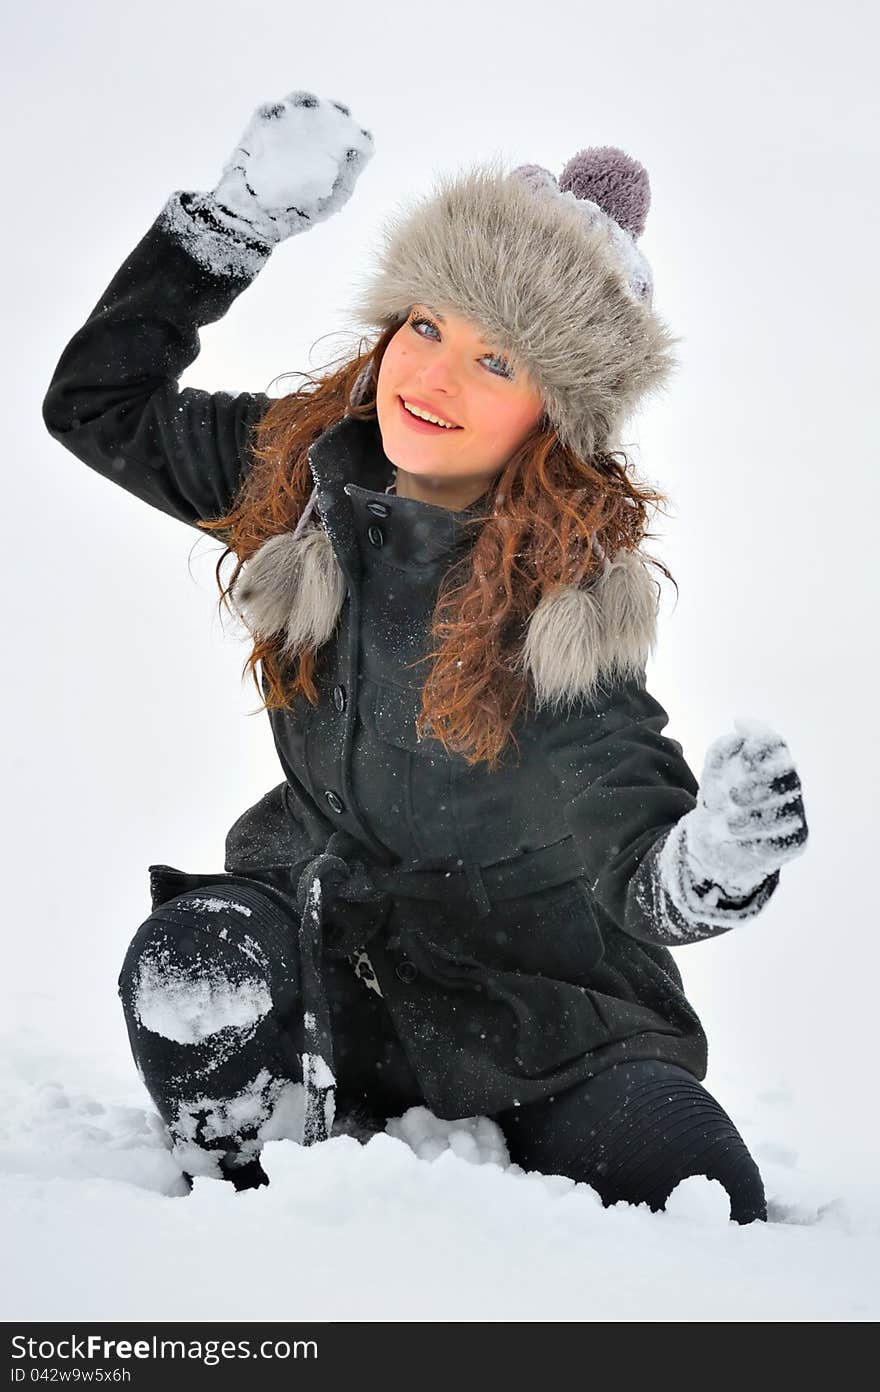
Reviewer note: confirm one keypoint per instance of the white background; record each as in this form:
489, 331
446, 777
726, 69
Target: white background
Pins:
127, 738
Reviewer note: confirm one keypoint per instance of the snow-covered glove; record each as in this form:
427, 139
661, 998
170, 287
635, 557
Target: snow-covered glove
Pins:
295, 164
749, 819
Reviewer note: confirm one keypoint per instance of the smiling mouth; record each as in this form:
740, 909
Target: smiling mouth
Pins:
429, 425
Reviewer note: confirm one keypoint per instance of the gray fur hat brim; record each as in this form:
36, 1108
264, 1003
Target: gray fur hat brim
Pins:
544, 284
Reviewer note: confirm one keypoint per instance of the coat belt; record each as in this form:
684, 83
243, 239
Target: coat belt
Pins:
361, 893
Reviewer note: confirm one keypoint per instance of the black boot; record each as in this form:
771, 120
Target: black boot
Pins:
248, 1176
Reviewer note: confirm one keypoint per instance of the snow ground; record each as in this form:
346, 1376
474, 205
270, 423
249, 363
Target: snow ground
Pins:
425, 1221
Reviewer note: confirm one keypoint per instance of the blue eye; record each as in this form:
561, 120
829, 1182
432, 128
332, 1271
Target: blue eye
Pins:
493, 357
415, 322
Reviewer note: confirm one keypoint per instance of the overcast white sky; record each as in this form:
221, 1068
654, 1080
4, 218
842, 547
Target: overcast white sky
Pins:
127, 734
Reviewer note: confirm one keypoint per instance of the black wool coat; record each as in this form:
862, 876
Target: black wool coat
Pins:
528, 947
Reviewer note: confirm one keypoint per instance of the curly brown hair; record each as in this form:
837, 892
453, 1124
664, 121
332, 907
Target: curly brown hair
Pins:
544, 511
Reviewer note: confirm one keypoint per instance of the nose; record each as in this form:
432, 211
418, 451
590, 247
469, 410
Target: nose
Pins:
439, 375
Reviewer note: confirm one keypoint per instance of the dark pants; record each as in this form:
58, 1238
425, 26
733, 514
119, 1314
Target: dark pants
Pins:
209, 988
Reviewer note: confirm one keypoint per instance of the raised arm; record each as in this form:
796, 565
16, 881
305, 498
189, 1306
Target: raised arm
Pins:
114, 399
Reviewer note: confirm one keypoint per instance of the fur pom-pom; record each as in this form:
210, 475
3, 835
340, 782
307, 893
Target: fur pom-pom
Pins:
579, 634
562, 645
613, 179
295, 585
629, 612
576, 636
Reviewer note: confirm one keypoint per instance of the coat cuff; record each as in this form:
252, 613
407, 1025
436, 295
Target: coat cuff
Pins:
220, 242
687, 907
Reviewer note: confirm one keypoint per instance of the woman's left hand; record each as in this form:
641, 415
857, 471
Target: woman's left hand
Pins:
749, 819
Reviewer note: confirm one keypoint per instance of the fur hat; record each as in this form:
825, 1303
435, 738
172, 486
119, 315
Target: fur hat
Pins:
551, 272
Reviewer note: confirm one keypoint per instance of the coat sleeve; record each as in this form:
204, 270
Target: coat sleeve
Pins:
626, 788
114, 400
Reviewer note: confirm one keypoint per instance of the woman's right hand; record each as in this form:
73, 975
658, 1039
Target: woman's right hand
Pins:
295, 164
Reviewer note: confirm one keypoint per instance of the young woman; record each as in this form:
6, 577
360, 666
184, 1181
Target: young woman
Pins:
463, 892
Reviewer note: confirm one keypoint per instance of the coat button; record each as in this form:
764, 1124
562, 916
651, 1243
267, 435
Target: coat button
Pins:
376, 535
334, 800
379, 509
406, 971
339, 697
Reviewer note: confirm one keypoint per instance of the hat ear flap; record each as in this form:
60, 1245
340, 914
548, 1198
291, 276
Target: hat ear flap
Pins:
363, 385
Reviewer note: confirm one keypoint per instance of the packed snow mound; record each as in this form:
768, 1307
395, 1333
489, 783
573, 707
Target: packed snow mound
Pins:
475, 1139
49, 1130
53, 1132
427, 1219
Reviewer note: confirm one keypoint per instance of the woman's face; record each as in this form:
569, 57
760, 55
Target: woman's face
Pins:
443, 365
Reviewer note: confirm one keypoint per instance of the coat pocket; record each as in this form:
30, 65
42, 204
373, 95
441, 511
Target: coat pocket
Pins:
568, 930
552, 933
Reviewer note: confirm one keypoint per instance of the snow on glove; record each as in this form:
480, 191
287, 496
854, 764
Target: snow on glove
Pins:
749, 819
296, 164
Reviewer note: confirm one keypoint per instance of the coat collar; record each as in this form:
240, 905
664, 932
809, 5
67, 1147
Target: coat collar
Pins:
412, 535
350, 469
577, 638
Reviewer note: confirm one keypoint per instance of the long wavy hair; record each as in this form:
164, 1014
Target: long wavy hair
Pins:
545, 510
